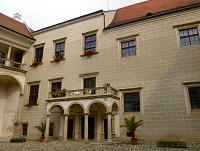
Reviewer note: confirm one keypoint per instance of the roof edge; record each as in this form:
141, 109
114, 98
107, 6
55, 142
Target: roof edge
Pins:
62, 23
156, 15
17, 33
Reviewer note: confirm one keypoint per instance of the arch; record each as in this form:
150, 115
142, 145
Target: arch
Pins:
12, 76
96, 101
56, 104
74, 103
115, 106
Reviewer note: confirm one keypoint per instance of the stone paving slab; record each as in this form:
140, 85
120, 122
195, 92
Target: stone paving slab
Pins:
90, 146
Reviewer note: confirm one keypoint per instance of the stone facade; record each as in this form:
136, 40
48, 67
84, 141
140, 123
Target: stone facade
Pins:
161, 71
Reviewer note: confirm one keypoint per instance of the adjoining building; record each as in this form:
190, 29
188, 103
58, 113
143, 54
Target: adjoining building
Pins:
85, 75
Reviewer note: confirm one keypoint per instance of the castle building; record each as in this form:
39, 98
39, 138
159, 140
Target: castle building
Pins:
85, 75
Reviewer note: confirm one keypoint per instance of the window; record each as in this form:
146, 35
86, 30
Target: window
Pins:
38, 54
33, 96
128, 48
24, 128
189, 36
90, 43
131, 102
2, 58
60, 50
56, 86
194, 94
90, 83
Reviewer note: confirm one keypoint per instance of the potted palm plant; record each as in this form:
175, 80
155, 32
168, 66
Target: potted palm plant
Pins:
42, 129
131, 125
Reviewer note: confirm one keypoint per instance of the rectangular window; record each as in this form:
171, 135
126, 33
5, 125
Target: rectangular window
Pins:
90, 83
189, 36
131, 102
56, 86
128, 48
90, 43
60, 50
33, 96
38, 54
24, 128
194, 94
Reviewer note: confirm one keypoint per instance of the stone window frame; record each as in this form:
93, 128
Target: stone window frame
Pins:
53, 81
88, 75
126, 39
22, 132
132, 90
58, 41
38, 46
28, 90
185, 27
84, 35
187, 85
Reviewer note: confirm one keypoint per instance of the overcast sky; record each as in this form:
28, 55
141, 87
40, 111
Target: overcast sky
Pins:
42, 13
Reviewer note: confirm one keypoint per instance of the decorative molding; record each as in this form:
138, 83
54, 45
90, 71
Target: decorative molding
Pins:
130, 89
186, 24
39, 45
56, 79
60, 39
88, 74
90, 32
127, 37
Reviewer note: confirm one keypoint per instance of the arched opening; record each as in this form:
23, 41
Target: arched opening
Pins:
56, 124
75, 118
10, 90
97, 121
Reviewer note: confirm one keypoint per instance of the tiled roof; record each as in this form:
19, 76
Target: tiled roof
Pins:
140, 10
14, 25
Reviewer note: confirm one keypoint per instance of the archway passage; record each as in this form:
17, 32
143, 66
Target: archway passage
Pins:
97, 113
10, 90
74, 130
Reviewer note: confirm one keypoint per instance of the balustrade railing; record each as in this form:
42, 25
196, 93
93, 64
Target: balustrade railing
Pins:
84, 92
13, 64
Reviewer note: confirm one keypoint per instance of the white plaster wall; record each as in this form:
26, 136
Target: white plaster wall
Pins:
11, 108
2, 104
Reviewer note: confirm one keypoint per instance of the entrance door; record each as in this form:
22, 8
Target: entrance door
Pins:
90, 127
18, 58
70, 129
106, 128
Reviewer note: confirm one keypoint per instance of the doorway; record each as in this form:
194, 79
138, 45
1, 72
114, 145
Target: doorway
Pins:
106, 128
90, 127
70, 129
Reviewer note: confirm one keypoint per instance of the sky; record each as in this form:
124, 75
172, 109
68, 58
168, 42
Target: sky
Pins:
39, 14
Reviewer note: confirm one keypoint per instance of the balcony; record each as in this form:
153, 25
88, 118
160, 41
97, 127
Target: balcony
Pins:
12, 58
87, 93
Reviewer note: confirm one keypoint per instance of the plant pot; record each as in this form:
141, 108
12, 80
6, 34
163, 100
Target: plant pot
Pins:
57, 59
42, 138
35, 64
134, 141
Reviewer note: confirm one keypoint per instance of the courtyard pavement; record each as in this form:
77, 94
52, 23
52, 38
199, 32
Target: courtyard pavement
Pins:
90, 146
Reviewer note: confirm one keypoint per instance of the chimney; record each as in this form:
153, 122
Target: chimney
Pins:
17, 17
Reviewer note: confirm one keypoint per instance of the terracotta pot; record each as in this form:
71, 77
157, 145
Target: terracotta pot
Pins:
42, 138
134, 141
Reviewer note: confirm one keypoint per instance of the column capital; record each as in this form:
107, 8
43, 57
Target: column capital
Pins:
47, 115
65, 114
108, 112
86, 113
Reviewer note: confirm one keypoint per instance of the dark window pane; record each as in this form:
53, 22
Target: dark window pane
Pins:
189, 37
90, 43
60, 50
194, 94
38, 54
24, 128
56, 86
33, 94
131, 102
90, 83
128, 48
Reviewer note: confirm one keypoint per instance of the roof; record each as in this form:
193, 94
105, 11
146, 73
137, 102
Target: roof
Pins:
150, 7
14, 26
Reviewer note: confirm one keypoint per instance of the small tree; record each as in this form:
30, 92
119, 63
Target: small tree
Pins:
41, 128
132, 125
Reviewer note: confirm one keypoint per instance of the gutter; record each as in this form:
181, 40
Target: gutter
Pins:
156, 15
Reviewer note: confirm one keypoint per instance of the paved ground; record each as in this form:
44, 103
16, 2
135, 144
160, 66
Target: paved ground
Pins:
91, 146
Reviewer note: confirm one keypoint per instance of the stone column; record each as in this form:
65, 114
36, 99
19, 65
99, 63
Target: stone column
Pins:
61, 125
23, 61
65, 127
76, 127
86, 128
117, 125
8, 56
98, 126
19, 109
109, 128
47, 127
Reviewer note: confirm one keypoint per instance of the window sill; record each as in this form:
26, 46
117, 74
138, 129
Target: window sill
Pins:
30, 105
94, 53
57, 61
36, 65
